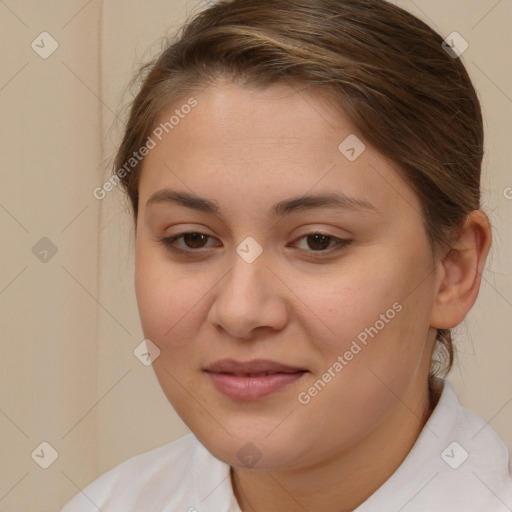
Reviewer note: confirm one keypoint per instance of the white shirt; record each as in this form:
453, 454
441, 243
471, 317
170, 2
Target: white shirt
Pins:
458, 464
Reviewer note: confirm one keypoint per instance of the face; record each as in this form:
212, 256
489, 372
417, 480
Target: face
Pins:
287, 280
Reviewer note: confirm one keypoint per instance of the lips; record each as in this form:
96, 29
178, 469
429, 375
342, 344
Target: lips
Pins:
252, 380
254, 367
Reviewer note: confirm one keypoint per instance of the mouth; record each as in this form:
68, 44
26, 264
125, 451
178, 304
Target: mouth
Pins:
252, 380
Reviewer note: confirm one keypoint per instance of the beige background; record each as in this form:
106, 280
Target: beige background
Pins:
69, 325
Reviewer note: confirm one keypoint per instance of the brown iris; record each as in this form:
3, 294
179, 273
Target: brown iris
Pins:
318, 241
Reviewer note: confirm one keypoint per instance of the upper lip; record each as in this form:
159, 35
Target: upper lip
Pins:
256, 366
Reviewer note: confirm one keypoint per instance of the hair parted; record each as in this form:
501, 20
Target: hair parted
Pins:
381, 66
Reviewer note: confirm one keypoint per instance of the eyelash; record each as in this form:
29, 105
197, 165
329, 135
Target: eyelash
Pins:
168, 242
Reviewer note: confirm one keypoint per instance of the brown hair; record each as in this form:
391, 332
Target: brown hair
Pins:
386, 69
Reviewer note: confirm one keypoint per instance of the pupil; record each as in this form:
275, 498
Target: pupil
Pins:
315, 242
191, 239
318, 239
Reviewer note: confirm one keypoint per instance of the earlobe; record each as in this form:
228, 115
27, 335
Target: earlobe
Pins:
462, 267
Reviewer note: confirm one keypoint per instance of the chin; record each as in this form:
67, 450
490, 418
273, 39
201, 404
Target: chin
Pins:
251, 448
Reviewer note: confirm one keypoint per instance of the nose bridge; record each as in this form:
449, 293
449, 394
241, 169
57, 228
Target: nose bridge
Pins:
248, 267
246, 298
244, 283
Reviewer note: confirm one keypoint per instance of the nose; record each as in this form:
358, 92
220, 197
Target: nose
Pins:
250, 298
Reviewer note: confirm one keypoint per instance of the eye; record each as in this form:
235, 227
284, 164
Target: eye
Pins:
319, 242
194, 241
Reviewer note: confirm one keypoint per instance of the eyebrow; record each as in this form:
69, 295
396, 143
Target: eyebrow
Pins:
307, 202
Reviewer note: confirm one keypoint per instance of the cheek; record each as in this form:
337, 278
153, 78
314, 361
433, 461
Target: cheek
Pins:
378, 318
164, 296
354, 299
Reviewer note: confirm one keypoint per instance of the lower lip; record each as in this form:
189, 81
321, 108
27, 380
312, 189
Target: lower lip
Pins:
252, 388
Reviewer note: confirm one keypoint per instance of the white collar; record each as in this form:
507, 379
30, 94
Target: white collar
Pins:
458, 463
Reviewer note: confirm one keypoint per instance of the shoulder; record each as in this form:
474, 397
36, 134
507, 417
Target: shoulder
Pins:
472, 461
175, 474
458, 463
485, 464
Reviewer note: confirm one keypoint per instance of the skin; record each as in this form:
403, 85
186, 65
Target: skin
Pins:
248, 149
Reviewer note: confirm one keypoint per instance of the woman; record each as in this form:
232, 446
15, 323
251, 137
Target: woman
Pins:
305, 184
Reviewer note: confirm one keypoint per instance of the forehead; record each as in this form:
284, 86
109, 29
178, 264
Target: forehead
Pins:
246, 146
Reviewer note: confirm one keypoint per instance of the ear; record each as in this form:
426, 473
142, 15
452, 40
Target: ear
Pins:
460, 272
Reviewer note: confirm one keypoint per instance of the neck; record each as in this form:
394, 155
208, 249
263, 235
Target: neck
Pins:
347, 479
